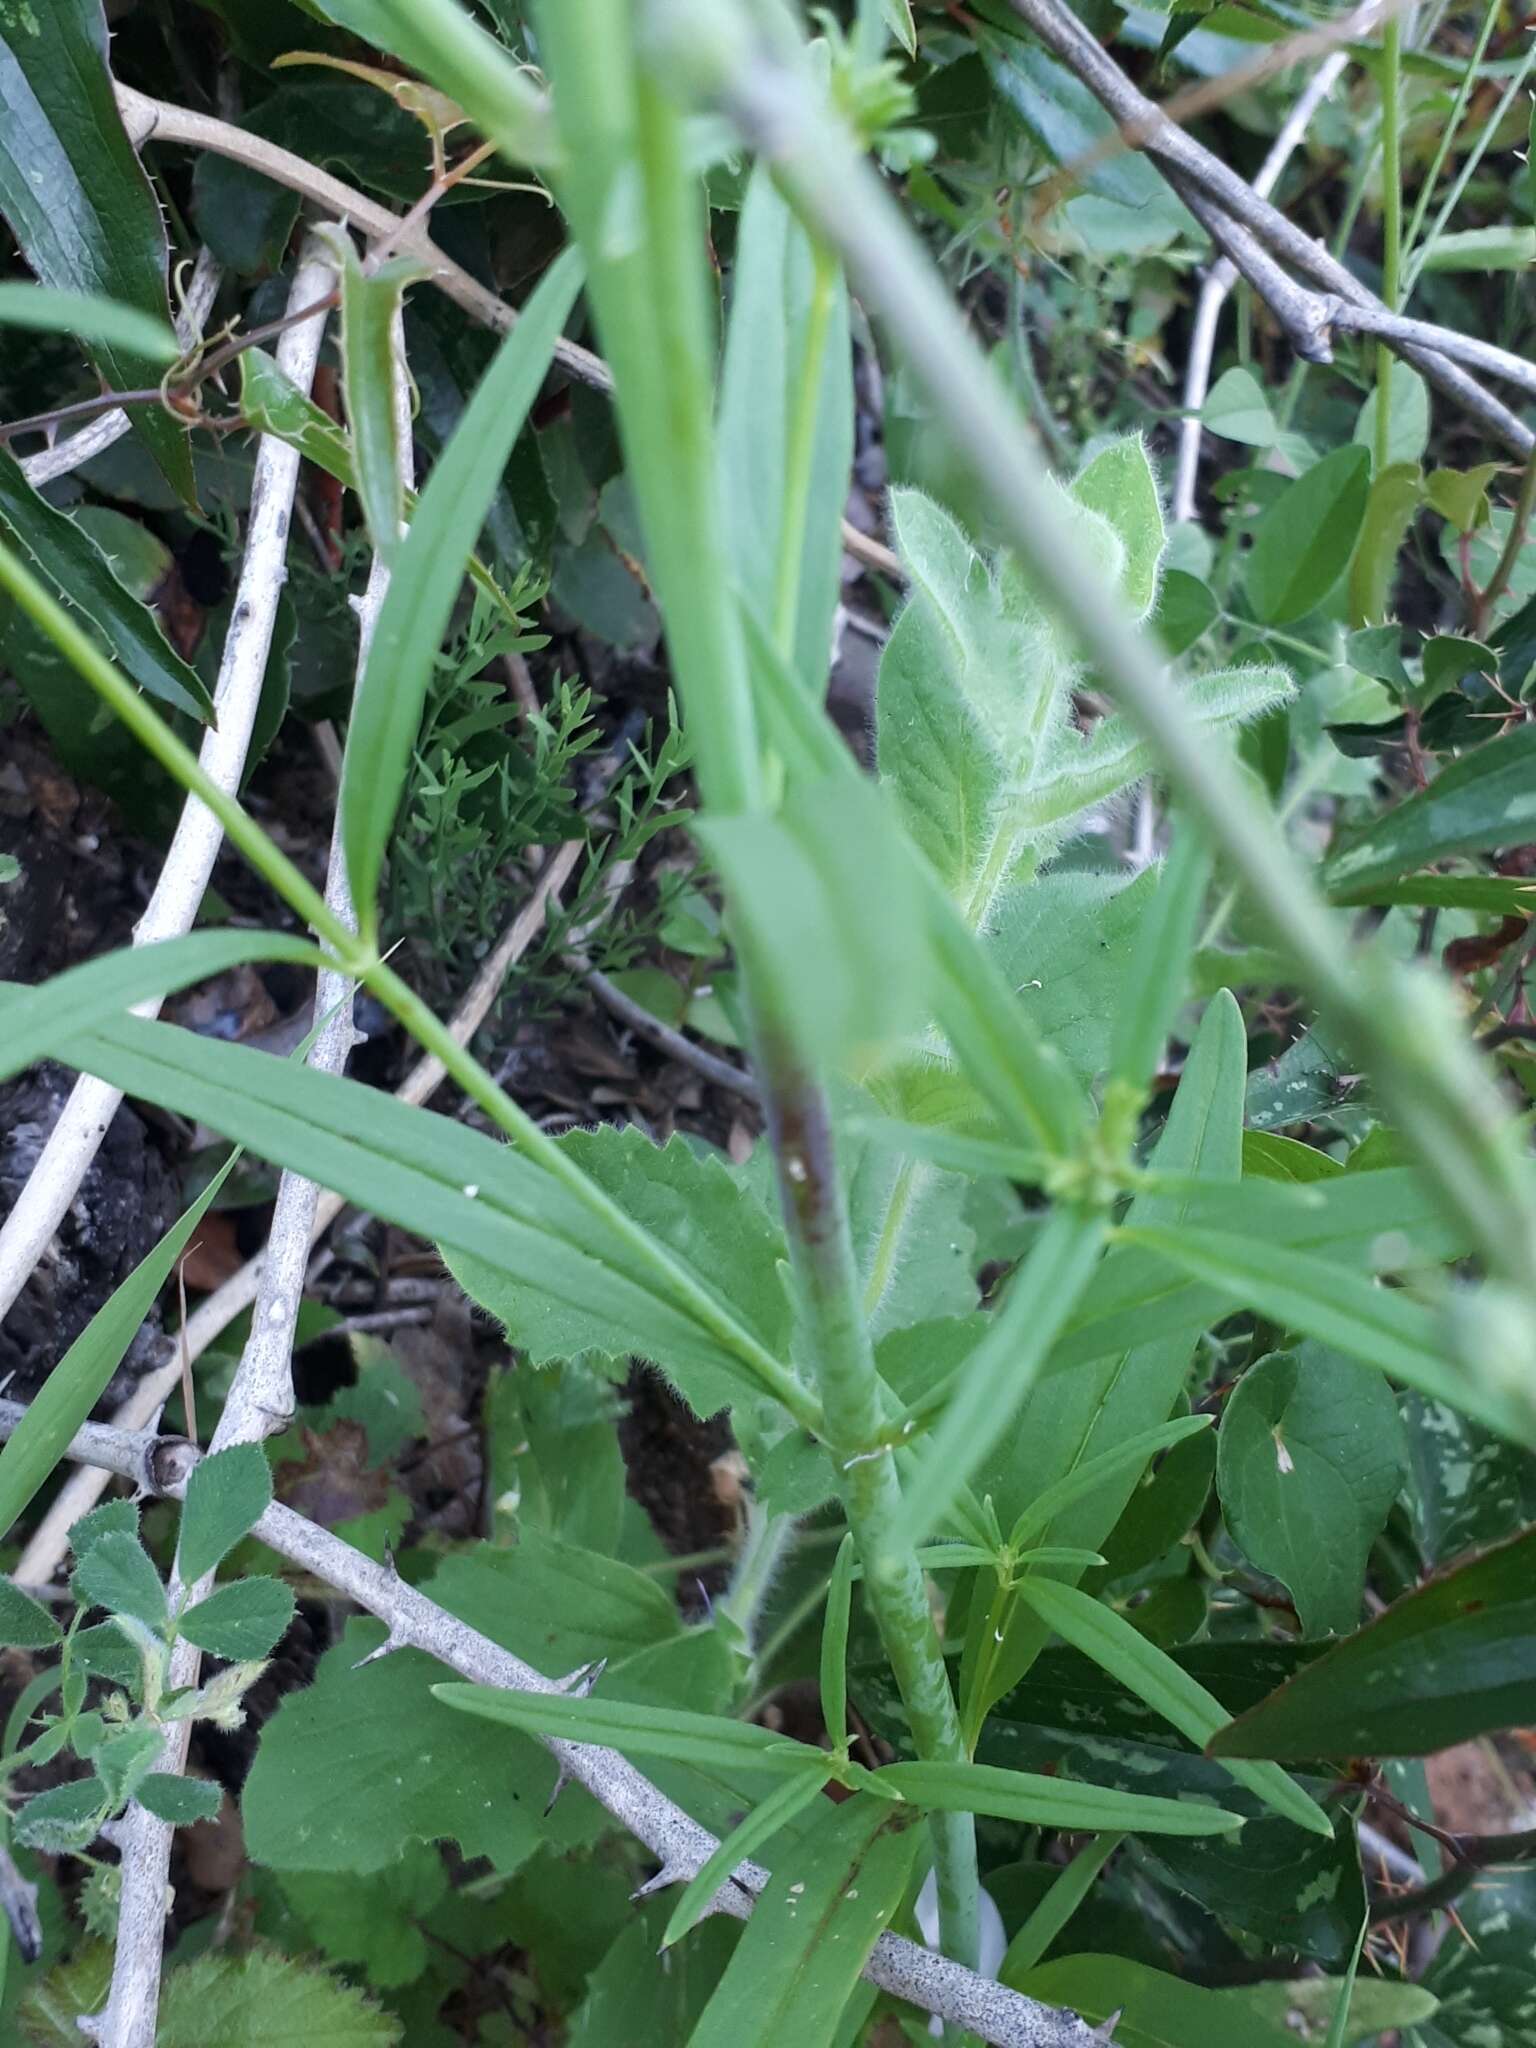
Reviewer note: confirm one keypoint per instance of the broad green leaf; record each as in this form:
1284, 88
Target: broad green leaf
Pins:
1407, 415
1486, 798
1469, 1488
1050, 1802
78, 1381
630, 2000
1168, 1503
999, 1373
1455, 1659
117, 1573
1312, 1455
25, 1623
1238, 410
1484, 1972
1268, 1156
370, 306
841, 966
1302, 542
334, 1787
83, 213
1068, 1890
785, 433
433, 1176
77, 571
1307, 2005
556, 1604
241, 1620
65, 1820
227, 1495
378, 1922
1126, 1654
1119, 484
710, 1226
36, 1019
780, 1807
124, 1759
265, 2000
1133, 1454
105, 323
1069, 124
912, 1243
705, 1739
1396, 494
812, 1929
428, 572
1065, 942
180, 1801
1461, 495
1378, 1325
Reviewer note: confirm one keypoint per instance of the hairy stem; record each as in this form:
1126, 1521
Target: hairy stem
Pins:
1391, 219
800, 451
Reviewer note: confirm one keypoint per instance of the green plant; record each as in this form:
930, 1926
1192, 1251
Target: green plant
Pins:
1040, 1595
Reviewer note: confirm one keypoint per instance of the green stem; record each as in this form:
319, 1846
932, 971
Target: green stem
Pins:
1391, 218
763, 1548
1468, 170
1519, 526
1442, 1099
800, 449
821, 1250
358, 961
1451, 124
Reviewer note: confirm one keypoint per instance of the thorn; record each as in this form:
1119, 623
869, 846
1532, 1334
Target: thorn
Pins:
668, 1874
1107, 2031
390, 1642
582, 1679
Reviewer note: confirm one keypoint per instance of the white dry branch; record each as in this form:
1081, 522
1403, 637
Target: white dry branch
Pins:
965, 1999
100, 434
1241, 223
73, 1142
45, 1550
1222, 276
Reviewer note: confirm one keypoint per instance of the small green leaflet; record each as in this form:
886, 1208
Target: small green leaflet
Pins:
118, 1574
240, 1621
226, 1495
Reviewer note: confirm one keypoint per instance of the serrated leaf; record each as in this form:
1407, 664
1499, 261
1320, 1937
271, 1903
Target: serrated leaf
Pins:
124, 1759
265, 2000
376, 1921
241, 1621
76, 570
64, 1820
1455, 1659
708, 1224
430, 567
78, 202
1185, 1704
25, 1623
226, 1496
112, 1517
434, 1176
1312, 1455
180, 1802
811, 1931
118, 1573
779, 306
1303, 541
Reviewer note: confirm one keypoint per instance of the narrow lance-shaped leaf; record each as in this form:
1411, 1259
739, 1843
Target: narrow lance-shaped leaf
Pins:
708, 1740
1125, 1653
370, 309
1037, 1801
1382, 1326
79, 204
1486, 798
36, 1019
1156, 979
760, 1825
1068, 1890
78, 1381
1129, 1456
101, 321
996, 1378
77, 571
834, 1645
428, 572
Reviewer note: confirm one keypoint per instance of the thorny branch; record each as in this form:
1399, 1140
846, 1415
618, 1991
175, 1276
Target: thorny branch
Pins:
162, 1465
